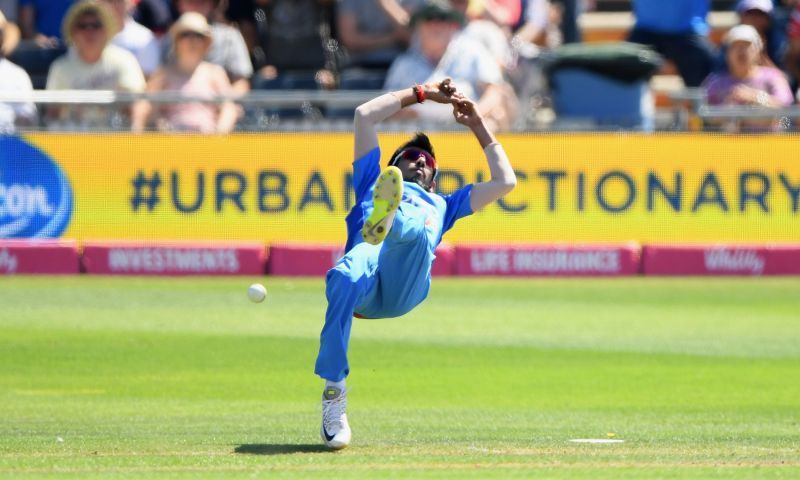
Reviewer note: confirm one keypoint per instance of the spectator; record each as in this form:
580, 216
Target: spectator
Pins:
190, 76
92, 63
440, 52
374, 32
228, 48
13, 79
41, 21
243, 14
746, 82
504, 13
134, 37
759, 15
290, 36
539, 28
677, 29
486, 32
792, 57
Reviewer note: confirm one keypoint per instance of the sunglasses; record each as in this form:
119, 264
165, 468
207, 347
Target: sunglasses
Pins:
412, 154
86, 26
439, 18
191, 35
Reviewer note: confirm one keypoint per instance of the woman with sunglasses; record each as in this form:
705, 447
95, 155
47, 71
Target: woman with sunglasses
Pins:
392, 232
191, 76
91, 63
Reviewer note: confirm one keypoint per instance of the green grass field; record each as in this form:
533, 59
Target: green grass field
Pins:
177, 378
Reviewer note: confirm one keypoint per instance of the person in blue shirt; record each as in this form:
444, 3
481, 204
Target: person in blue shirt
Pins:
396, 223
678, 30
41, 20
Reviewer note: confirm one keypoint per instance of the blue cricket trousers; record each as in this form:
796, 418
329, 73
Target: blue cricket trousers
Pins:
374, 281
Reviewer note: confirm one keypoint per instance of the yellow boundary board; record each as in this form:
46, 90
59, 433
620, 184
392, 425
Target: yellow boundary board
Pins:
572, 187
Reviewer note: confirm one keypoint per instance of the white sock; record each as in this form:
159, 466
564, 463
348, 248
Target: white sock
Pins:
339, 384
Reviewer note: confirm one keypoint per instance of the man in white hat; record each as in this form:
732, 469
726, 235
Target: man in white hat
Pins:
14, 79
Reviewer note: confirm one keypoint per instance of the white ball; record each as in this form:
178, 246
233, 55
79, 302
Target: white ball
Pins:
257, 293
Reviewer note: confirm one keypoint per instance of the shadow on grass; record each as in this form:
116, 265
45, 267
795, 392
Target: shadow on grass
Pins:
279, 449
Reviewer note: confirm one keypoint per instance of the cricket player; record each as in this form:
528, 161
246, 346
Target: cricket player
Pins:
392, 231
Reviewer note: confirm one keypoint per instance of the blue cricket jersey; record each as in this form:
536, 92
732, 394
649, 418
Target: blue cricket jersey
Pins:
440, 211
391, 278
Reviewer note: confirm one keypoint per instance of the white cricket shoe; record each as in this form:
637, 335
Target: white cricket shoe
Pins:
385, 199
335, 431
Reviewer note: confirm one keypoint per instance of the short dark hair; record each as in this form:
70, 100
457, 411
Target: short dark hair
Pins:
420, 140
437, 10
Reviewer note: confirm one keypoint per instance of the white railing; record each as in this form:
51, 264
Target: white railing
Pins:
276, 98
330, 110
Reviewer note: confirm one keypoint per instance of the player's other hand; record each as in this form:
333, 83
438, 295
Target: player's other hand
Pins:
466, 112
441, 92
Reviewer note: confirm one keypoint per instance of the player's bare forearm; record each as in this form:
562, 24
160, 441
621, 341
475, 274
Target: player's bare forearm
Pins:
503, 179
369, 114
482, 133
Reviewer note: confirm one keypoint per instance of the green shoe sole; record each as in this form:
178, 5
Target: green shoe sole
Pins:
386, 199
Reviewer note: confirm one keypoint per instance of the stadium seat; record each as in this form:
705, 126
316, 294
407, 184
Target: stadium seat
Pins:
36, 61
290, 80
357, 79
621, 104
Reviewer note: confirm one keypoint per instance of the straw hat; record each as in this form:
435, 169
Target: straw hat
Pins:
190, 22
94, 7
10, 35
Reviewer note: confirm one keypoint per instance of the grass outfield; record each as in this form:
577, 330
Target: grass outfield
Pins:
177, 378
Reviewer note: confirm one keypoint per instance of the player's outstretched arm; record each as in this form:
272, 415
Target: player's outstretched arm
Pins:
503, 179
369, 114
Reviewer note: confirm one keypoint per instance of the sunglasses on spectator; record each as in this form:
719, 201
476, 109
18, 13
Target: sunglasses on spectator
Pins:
191, 35
412, 154
86, 26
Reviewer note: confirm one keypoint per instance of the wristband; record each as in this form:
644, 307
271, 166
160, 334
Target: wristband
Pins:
419, 93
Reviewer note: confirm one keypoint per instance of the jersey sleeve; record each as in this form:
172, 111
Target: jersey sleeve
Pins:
365, 172
457, 206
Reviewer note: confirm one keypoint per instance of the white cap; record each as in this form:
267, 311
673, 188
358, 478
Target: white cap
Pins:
191, 22
765, 6
743, 33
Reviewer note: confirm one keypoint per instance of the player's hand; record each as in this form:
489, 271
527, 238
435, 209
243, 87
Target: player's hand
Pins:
441, 92
43, 41
466, 112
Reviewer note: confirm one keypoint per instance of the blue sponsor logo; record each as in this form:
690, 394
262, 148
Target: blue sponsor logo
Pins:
35, 195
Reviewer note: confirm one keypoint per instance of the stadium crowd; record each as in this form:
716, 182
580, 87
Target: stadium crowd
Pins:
211, 48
